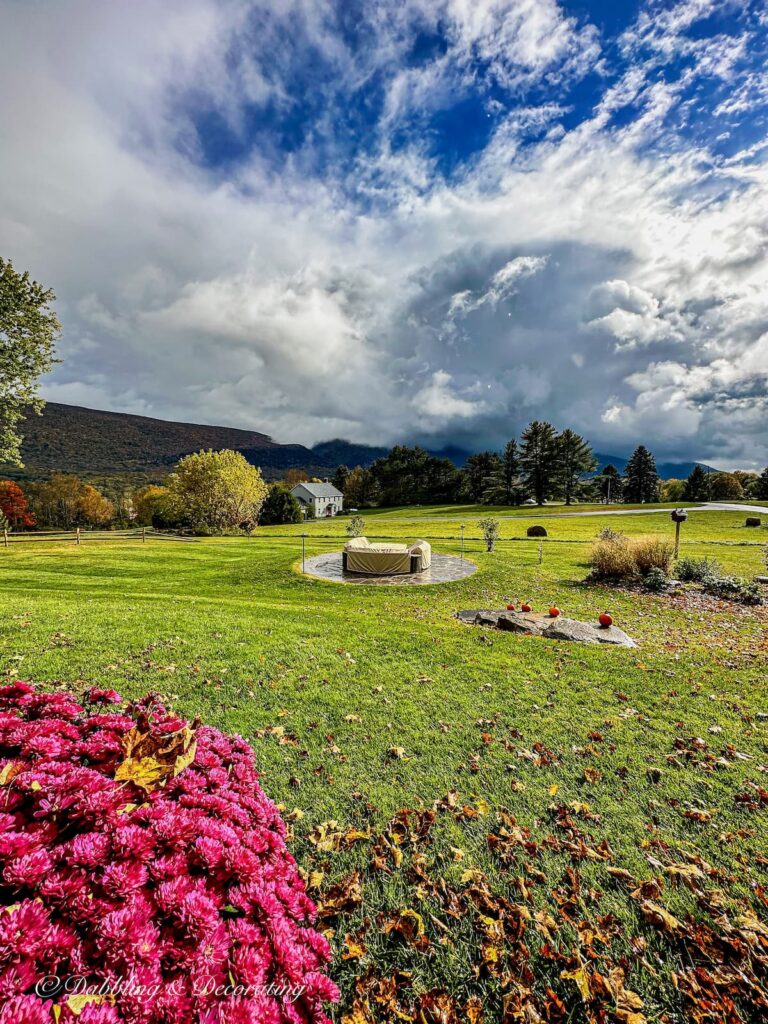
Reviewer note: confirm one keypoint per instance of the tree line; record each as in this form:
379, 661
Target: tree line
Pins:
220, 492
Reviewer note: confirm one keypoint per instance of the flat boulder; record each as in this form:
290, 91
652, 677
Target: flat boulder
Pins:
537, 624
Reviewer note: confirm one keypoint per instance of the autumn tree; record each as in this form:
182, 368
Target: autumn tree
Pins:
14, 508
538, 459
93, 509
641, 481
574, 459
295, 476
361, 488
64, 501
217, 491
28, 332
725, 487
146, 502
673, 490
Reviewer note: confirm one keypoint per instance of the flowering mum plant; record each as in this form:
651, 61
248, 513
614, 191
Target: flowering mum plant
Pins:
144, 876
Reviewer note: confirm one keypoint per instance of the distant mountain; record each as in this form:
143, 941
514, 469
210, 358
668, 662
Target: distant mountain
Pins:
666, 470
94, 443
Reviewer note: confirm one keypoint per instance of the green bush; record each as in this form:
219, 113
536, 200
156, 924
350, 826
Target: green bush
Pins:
733, 588
694, 570
656, 580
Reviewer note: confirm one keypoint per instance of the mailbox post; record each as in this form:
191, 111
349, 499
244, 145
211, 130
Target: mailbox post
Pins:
678, 515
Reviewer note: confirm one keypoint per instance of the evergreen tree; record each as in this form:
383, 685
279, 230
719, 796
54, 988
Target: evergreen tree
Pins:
280, 507
538, 458
339, 478
697, 485
480, 472
641, 481
511, 472
611, 489
761, 488
574, 460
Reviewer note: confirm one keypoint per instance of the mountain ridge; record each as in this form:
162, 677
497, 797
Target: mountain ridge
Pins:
96, 442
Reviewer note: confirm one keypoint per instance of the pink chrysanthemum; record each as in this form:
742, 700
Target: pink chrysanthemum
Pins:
170, 899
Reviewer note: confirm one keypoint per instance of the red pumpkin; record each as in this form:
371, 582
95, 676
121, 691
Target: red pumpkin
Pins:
510, 607
606, 620
554, 611
525, 607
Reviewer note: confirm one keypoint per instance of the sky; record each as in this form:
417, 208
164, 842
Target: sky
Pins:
426, 221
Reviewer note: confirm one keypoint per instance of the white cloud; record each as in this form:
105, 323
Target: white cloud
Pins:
610, 275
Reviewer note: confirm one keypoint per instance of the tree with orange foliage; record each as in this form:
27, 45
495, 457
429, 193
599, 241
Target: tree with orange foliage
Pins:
13, 506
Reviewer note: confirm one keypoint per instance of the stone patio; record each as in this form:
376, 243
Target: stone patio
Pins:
444, 569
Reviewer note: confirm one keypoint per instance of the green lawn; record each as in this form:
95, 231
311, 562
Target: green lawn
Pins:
360, 701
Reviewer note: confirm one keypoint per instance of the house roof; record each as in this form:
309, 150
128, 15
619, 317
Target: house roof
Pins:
319, 490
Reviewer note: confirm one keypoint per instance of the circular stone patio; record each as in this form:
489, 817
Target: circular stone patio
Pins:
444, 569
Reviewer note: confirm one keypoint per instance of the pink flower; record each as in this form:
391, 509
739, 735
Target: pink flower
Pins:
138, 890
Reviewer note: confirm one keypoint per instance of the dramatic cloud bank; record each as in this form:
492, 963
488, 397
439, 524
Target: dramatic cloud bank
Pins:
430, 221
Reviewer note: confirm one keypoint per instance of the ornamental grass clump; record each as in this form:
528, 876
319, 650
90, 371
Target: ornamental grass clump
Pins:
139, 854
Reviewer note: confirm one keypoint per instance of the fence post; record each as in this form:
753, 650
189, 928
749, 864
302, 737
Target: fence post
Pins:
143, 535
5, 536
78, 536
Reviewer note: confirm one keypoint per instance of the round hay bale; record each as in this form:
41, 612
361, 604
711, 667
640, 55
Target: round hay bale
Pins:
536, 531
752, 521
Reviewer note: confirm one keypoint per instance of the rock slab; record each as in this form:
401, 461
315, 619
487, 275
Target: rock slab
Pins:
536, 624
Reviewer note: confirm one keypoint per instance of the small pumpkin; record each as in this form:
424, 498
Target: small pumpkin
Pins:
605, 620
510, 607
525, 607
554, 611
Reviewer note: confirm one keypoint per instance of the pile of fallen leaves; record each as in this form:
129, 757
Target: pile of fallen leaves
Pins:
546, 943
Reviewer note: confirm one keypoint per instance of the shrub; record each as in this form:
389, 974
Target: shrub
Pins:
656, 580
356, 527
140, 853
652, 553
490, 528
733, 588
611, 559
608, 534
280, 507
694, 570
536, 531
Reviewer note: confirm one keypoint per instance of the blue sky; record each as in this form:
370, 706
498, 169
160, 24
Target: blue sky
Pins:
431, 221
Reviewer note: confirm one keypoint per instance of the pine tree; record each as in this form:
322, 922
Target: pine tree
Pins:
611, 487
697, 485
511, 471
538, 458
339, 478
641, 481
480, 473
761, 488
574, 460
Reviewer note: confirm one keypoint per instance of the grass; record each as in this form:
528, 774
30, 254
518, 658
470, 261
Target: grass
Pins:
326, 681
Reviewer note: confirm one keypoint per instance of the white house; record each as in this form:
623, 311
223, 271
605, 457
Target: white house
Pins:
324, 499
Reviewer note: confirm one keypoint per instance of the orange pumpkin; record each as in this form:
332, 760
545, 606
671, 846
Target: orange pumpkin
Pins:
606, 620
525, 607
554, 611
510, 607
